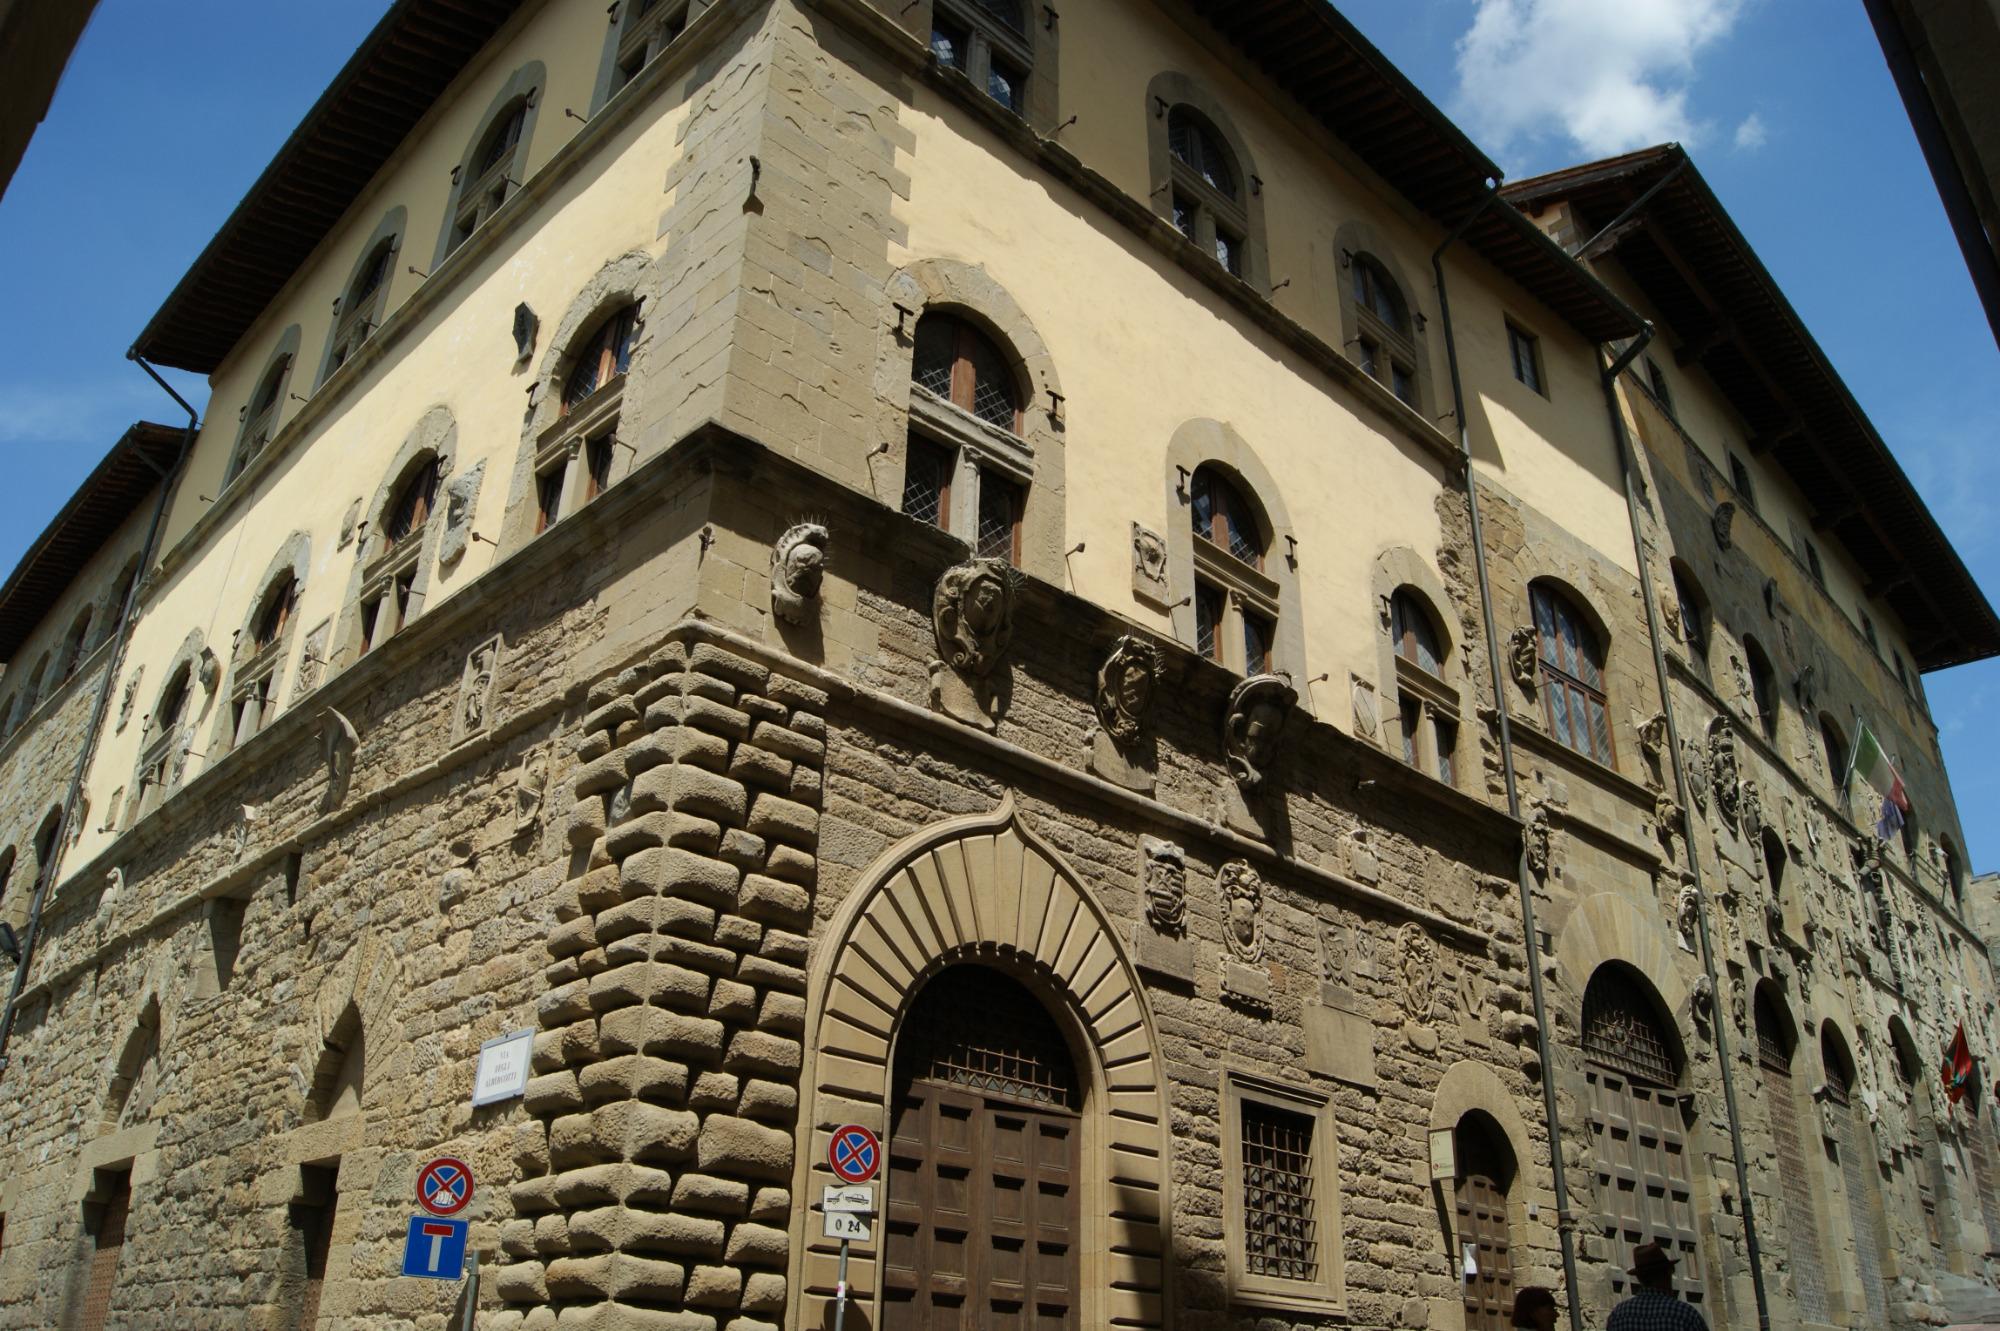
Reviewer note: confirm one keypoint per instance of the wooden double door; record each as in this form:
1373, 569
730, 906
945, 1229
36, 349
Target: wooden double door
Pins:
982, 1217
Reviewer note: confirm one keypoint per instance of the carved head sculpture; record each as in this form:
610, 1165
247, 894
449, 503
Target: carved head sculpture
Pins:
1125, 686
1524, 649
798, 563
973, 613
1253, 724
1242, 898
1687, 914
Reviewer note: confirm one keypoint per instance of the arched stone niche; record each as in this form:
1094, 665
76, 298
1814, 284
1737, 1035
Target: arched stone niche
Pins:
987, 888
1204, 442
965, 290
366, 981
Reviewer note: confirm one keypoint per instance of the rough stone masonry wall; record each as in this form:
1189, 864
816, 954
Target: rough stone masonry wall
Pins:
654, 1176
35, 767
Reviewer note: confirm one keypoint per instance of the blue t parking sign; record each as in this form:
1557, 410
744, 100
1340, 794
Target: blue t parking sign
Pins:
435, 1248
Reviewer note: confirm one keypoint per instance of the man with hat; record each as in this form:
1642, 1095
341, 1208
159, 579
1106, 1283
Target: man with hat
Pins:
1653, 1305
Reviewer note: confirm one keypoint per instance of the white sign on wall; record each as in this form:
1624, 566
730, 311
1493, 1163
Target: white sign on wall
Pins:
503, 1067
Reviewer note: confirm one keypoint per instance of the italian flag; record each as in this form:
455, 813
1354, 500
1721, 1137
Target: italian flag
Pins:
1872, 765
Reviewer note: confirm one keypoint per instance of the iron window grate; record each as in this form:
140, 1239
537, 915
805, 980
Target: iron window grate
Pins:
1280, 1229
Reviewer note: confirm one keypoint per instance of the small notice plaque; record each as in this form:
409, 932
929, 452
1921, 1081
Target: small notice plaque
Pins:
503, 1067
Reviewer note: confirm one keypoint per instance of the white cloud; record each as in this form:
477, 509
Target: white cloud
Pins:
1610, 77
1752, 133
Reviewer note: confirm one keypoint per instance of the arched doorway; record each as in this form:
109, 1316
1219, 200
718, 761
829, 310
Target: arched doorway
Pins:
1633, 1066
982, 1213
1777, 1043
1485, 1177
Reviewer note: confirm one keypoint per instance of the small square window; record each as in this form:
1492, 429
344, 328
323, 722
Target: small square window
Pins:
1526, 351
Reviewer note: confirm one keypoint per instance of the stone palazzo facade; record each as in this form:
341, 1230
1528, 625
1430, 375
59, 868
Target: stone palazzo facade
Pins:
902, 571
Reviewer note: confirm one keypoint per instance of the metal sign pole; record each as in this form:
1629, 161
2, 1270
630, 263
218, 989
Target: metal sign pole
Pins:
471, 1289
840, 1290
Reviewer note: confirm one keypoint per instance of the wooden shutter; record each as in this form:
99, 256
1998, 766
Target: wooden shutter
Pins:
1482, 1224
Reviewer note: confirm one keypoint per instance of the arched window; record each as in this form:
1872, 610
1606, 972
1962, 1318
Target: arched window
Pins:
1207, 189
1777, 1041
956, 365
135, 1081
988, 42
1835, 745
1415, 633
254, 687
1693, 610
1953, 870
361, 306
165, 754
1763, 686
1572, 675
76, 644
275, 612
602, 357
1910, 839
1775, 858
1385, 344
31, 693
6, 870
1235, 604
1633, 1065
984, 1154
483, 188
260, 419
1485, 1177
1427, 707
390, 589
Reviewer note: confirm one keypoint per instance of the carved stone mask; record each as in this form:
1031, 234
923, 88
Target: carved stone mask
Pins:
798, 565
973, 614
1125, 687
1253, 725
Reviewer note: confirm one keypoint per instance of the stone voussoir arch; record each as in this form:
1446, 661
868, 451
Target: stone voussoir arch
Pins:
367, 980
986, 888
1609, 927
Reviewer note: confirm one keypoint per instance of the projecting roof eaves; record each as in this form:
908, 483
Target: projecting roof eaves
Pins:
385, 88
137, 464
1705, 278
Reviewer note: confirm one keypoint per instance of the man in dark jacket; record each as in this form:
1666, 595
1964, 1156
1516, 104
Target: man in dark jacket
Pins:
1654, 1306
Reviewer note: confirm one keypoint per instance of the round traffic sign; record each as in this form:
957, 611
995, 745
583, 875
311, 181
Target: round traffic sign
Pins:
444, 1186
855, 1153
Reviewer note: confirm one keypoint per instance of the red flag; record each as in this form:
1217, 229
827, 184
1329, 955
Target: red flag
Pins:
1958, 1068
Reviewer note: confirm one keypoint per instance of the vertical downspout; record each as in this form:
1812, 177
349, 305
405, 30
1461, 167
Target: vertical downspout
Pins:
1530, 936
45, 874
1627, 469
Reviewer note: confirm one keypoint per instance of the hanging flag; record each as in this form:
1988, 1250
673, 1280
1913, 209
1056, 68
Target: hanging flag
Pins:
1958, 1068
1872, 765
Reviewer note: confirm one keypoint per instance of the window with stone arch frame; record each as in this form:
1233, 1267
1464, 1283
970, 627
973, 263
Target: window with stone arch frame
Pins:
486, 181
1208, 189
253, 693
1427, 706
260, 419
967, 470
1571, 675
1235, 600
163, 760
361, 304
389, 595
640, 30
1763, 687
1385, 339
1692, 606
574, 456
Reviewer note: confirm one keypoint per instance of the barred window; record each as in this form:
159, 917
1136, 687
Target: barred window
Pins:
1280, 1231
974, 1027
1622, 1029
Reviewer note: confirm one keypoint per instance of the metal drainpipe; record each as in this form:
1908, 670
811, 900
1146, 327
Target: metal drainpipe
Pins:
1716, 1021
1565, 1222
45, 874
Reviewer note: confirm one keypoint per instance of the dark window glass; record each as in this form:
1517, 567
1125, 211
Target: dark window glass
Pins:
604, 355
1763, 687
927, 483
412, 505
1447, 742
1572, 666
1416, 637
1223, 518
1208, 621
597, 458
1739, 481
1412, 723
1526, 356
955, 361
1694, 618
1836, 751
1256, 644
1622, 1029
548, 497
1375, 292
1192, 141
277, 609
999, 518
1659, 384
950, 43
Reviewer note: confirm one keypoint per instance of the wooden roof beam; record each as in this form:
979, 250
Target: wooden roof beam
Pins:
1784, 434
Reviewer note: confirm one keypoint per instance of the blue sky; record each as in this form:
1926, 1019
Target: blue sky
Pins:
168, 112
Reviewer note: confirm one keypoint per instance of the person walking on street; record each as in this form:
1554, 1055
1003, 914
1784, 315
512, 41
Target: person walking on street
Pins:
1654, 1306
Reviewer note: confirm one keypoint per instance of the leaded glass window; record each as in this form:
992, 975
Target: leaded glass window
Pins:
1572, 676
